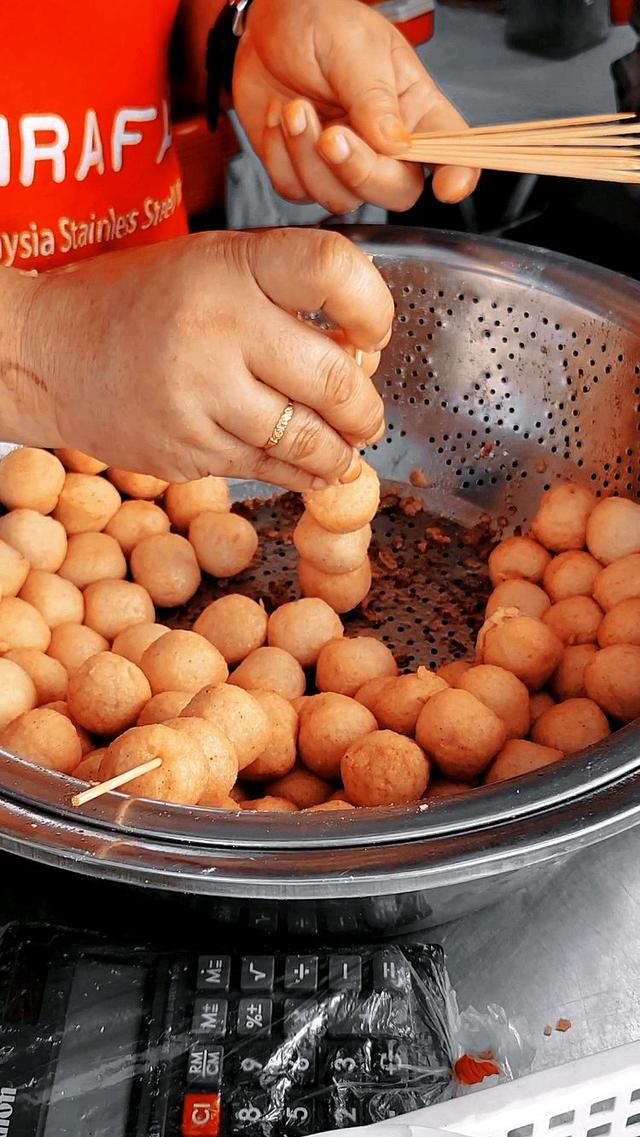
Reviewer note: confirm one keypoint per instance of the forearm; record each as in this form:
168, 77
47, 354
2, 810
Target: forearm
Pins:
26, 401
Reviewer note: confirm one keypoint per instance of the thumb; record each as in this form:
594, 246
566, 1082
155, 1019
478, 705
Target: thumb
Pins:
364, 83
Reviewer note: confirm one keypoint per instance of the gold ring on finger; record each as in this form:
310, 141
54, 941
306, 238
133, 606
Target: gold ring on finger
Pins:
278, 432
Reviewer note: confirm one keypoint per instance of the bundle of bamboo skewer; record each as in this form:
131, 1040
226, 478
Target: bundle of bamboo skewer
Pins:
601, 147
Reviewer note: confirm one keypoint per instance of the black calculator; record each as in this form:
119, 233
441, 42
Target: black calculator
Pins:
105, 1041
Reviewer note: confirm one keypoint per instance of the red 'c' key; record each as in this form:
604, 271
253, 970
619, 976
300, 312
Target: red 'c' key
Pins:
201, 1115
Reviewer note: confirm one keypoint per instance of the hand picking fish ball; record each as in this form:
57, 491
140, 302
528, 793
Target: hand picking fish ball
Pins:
142, 486
528, 598
330, 552
346, 508
224, 543
345, 664
160, 708
369, 691
518, 757
453, 672
342, 592
17, 692
503, 693
612, 680
575, 620
519, 558
182, 777
571, 574
619, 581
45, 737
41, 540
235, 624
279, 755
270, 669
567, 681
461, 733
183, 661
58, 601
269, 804
621, 624
31, 479
571, 726
110, 606
47, 674
78, 462
221, 758
398, 705
14, 570
166, 566
134, 640
73, 644
88, 770
303, 627
328, 728
524, 646
302, 787
238, 715
92, 557
87, 503
107, 693
613, 529
134, 521
185, 500
21, 625
384, 768
562, 516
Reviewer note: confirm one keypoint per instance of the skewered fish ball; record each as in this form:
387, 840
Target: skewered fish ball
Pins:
398, 705
384, 768
279, 755
567, 681
303, 627
561, 520
238, 715
134, 521
107, 693
224, 543
302, 787
342, 592
270, 669
142, 486
332, 553
183, 661
46, 737
619, 581
92, 557
79, 463
86, 504
31, 479
48, 675
570, 574
21, 625
17, 692
14, 570
182, 777
328, 728
134, 640
522, 645
571, 726
222, 764
518, 558
73, 644
41, 540
613, 529
461, 733
528, 598
166, 566
621, 624
160, 708
575, 620
518, 757
503, 693
58, 601
110, 606
235, 624
345, 664
185, 500
612, 680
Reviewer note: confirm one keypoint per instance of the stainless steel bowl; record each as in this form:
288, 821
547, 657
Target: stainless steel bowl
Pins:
509, 368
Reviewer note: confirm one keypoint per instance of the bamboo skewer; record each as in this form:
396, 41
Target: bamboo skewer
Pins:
115, 783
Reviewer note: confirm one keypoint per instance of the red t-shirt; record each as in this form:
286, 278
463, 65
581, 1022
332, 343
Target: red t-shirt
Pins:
86, 160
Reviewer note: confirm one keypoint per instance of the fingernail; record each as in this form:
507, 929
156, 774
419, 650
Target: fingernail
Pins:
295, 119
335, 147
354, 469
273, 113
393, 129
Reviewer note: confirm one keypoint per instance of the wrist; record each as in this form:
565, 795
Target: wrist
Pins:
27, 400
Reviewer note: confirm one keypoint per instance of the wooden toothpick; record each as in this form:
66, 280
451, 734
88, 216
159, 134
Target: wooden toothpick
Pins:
114, 783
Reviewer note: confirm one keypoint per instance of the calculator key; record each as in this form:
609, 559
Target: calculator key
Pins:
395, 1103
250, 1065
254, 1017
350, 1062
214, 972
298, 1119
301, 923
345, 1109
304, 1018
345, 973
258, 973
391, 1061
263, 920
390, 972
301, 974
210, 1018
342, 922
205, 1066
251, 1114
201, 1115
346, 1016
294, 1062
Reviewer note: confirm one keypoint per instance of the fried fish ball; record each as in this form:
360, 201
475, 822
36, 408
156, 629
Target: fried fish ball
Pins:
342, 592
528, 598
31, 479
570, 574
540, 702
279, 755
270, 669
14, 570
441, 789
48, 675
461, 733
134, 640
336, 806
107, 693
224, 543
58, 601
88, 770
142, 486
571, 726
522, 645
453, 672
73, 644
330, 552
575, 620
235, 624
238, 793
613, 530
567, 681
87, 503
303, 627
518, 757
110, 606
134, 521
345, 664
619, 581
46, 737
518, 558
62, 707
384, 768
503, 693
398, 705
185, 500
562, 516
370, 689
21, 625
17, 692
166, 566
92, 557
182, 777
238, 715
183, 661
346, 508
612, 680
78, 462
215, 802
621, 624
218, 751
160, 708
327, 730
269, 804
302, 787
41, 540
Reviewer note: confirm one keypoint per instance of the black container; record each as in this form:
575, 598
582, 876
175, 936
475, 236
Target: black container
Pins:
557, 29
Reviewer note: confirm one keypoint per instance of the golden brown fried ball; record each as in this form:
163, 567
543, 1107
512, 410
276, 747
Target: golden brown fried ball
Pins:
528, 598
301, 787
279, 755
397, 706
503, 693
107, 693
134, 521
346, 508
441, 789
17, 692
14, 570
270, 669
224, 543
575, 620
619, 581
78, 462
142, 486
330, 552
48, 675
345, 664
238, 715
621, 624
518, 558
540, 702
58, 601
571, 726
134, 640
166, 566
337, 806
73, 644
87, 503
269, 804
613, 529
110, 606
453, 672
161, 708
303, 627
89, 769
562, 516
571, 574
221, 758
369, 691
519, 757
185, 500
328, 728
182, 777
384, 768
461, 733
235, 624
567, 681
46, 737
41, 540
342, 592
92, 557
522, 645
183, 661
21, 625
612, 680
31, 479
